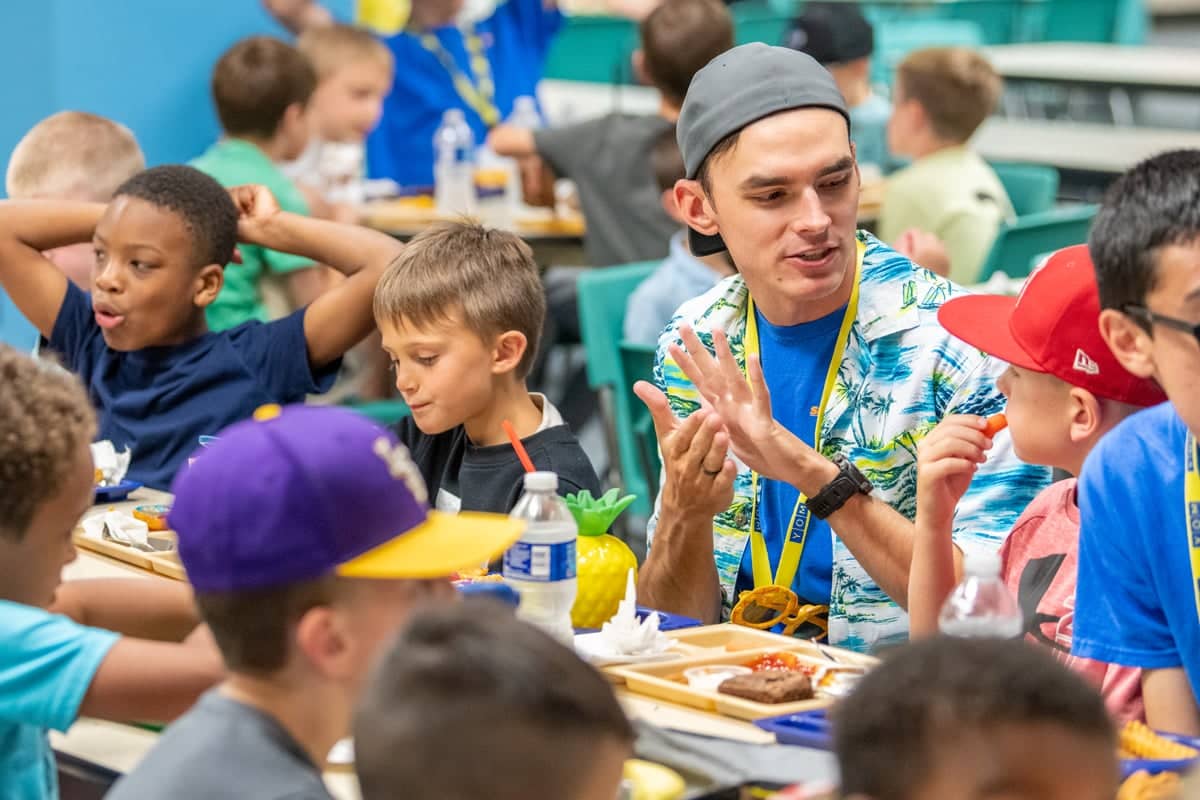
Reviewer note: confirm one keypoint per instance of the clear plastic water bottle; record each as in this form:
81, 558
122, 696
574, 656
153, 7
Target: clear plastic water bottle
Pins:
981, 607
524, 115
454, 165
541, 566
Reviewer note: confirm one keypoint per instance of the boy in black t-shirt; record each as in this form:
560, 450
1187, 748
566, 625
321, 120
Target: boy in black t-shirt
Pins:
156, 375
461, 312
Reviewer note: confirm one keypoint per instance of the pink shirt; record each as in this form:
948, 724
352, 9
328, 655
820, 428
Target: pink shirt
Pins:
1040, 561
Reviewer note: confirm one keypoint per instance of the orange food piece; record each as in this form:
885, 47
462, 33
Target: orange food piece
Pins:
995, 424
782, 662
155, 517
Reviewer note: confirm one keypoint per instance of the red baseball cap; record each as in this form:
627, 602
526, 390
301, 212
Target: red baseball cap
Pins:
1051, 327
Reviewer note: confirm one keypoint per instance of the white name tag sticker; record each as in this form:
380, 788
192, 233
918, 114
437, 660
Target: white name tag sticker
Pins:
448, 503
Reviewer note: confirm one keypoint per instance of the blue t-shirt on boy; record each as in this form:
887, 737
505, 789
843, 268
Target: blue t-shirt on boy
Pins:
1134, 601
47, 663
159, 401
795, 361
515, 39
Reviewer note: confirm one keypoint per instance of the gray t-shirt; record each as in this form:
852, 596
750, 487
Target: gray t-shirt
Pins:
224, 750
609, 160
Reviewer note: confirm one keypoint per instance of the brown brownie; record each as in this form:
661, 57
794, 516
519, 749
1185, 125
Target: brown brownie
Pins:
772, 686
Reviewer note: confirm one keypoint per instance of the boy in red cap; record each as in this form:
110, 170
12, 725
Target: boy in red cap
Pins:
1065, 390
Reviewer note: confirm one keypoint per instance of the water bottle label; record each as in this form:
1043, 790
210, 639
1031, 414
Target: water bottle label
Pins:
540, 562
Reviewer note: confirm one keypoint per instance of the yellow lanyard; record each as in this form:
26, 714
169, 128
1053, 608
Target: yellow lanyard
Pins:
797, 530
1191, 499
479, 94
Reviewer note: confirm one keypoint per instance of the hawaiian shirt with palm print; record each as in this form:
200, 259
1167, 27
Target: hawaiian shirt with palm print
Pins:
901, 374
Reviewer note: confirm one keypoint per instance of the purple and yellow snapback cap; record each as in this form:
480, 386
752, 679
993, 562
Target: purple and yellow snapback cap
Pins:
301, 492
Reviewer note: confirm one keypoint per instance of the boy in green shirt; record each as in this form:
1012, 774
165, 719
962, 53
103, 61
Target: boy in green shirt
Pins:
260, 87
940, 97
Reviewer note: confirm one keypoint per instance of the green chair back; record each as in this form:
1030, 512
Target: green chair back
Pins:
758, 22
999, 20
637, 360
1032, 188
602, 296
1018, 244
595, 49
896, 39
1071, 20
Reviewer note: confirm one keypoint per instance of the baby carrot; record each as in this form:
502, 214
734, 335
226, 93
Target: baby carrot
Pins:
995, 424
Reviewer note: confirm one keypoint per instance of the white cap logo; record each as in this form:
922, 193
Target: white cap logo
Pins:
1085, 364
401, 467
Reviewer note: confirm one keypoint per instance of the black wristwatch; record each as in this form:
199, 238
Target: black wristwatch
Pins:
849, 482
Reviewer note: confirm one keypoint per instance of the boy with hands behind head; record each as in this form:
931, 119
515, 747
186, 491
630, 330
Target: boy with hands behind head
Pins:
157, 376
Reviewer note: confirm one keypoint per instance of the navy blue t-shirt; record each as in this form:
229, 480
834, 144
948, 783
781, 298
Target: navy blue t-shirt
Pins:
1134, 602
160, 400
795, 361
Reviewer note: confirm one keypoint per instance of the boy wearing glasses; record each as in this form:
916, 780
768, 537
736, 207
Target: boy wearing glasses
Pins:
1138, 599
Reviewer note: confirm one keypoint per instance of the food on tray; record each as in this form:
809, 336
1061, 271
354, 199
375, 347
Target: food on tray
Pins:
831, 679
478, 575
603, 560
769, 687
1137, 740
781, 662
767, 606
995, 424
710, 677
1141, 785
155, 516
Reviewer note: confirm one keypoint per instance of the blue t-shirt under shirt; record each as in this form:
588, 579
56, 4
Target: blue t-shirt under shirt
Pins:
515, 39
160, 400
1134, 602
47, 663
795, 362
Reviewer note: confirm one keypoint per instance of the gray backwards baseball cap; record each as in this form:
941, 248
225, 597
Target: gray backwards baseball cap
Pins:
742, 86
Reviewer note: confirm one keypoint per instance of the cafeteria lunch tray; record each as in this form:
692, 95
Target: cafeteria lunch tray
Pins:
163, 562
732, 645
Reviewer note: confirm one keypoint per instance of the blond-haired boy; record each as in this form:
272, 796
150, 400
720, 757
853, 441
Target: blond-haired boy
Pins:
84, 647
77, 156
354, 74
461, 313
940, 97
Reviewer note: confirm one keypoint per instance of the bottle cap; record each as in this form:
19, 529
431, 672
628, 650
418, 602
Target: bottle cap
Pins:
982, 564
541, 482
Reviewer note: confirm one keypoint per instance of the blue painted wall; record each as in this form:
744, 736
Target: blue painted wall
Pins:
145, 63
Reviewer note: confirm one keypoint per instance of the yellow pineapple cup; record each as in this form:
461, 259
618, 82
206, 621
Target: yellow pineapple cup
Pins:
604, 560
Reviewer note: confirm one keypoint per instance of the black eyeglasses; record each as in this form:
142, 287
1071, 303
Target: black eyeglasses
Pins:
1154, 318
